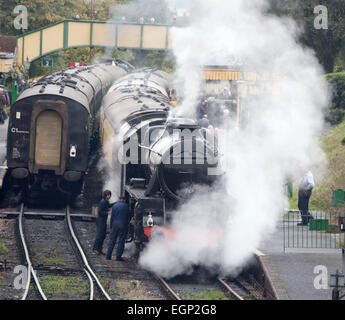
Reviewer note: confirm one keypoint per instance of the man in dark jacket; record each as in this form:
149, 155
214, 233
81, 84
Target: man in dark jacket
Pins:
304, 192
119, 225
101, 222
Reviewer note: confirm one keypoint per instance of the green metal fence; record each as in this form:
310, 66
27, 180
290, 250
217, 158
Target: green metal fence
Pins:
324, 231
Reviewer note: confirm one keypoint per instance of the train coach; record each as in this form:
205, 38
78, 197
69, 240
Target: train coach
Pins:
159, 158
50, 127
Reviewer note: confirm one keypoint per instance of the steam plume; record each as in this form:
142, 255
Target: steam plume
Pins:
280, 138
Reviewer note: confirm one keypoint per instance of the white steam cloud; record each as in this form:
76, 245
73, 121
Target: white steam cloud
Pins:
280, 139
112, 177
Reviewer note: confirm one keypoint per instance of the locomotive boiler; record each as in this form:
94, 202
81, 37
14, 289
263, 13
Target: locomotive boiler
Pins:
50, 127
160, 158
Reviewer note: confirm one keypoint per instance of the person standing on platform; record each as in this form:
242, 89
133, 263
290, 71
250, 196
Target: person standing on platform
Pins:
101, 222
304, 192
119, 227
21, 86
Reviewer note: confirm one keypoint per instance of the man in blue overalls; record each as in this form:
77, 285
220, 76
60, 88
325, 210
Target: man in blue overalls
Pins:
101, 222
119, 226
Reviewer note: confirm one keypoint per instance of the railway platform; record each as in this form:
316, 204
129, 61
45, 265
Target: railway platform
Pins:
296, 273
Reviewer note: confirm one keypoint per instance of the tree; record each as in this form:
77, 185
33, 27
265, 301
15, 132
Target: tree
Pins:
157, 9
44, 12
327, 43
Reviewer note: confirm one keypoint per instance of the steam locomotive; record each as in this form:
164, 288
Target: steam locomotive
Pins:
50, 127
160, 158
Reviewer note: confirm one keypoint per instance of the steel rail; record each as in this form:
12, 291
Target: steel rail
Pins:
166, 286
31, 271
91, 284
229, 289
82, 254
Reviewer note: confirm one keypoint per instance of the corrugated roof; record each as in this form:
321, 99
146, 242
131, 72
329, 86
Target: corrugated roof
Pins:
8, 44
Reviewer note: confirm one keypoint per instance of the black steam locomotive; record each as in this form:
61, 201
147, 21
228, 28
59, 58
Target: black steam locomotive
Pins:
50, 128
160, 158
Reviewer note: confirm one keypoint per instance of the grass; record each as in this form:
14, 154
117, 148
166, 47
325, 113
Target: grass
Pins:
334, 178
67, 286
125, 289
206, 295
51, 257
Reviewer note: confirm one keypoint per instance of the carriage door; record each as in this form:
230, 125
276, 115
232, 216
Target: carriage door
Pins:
48, 139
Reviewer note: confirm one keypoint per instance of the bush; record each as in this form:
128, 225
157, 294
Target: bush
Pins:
335, 116
337, 109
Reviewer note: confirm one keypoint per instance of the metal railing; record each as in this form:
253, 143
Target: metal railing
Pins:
323, 230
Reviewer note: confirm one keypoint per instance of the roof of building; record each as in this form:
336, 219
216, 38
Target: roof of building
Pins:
7, 44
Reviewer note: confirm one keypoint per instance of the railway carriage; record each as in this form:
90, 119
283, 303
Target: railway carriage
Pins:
50, 127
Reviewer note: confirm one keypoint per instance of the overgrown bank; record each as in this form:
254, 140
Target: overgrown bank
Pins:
333, 144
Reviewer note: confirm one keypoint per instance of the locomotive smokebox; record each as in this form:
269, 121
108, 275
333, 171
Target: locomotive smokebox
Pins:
180, 159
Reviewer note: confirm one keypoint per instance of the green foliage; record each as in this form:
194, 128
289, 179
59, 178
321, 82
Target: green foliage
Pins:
51, 257
206, 295
337, 110
335, 116
67, 286
333, 178
62, 60
327, 43
126, 55
44, 12
144, 58
3, 248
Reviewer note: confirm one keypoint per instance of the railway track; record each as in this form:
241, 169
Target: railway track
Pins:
77, 235
123, 280
80, 257
88, 270
30, 270
197, 287
235, 289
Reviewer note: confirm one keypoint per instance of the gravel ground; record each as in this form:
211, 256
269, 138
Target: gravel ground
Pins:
197, 287
10, 252
122, 280
54, 260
